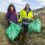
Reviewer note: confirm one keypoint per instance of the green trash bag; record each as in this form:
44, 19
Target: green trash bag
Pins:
12, 31
35, 26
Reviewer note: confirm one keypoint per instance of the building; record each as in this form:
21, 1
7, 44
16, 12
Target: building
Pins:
40, 11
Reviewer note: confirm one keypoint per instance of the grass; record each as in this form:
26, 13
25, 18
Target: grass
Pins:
33, 39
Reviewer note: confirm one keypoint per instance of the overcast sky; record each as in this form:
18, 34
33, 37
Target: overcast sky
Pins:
20, 4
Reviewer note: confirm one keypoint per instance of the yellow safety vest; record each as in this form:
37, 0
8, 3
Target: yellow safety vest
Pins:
23, 14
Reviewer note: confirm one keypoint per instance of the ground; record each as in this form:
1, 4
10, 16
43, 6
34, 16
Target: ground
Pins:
32, 39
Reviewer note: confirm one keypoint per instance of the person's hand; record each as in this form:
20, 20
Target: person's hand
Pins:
30, 20
10, 21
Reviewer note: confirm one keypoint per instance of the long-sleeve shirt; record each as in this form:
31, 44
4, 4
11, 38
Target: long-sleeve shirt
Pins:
11, 17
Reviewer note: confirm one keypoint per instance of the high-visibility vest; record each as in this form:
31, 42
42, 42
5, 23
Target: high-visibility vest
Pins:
23, 14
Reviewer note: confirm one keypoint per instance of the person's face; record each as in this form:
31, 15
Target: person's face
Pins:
27, 6
11, 8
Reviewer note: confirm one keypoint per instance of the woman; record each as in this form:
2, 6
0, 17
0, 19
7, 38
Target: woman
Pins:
11, 14
25, 15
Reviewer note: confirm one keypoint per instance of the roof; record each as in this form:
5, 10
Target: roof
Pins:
39, 9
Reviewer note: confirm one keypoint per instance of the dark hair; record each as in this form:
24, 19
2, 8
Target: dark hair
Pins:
14, 10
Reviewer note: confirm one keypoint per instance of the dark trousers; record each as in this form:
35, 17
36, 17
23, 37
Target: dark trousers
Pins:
25, 28
24, 32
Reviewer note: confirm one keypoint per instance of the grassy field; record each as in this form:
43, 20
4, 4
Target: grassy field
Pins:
33, 39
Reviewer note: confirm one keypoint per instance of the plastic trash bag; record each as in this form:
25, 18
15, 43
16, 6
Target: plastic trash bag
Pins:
12, 31
35, 26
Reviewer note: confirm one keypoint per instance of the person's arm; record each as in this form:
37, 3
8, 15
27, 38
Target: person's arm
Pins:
16, 18
30, 15
20, 18
7, 17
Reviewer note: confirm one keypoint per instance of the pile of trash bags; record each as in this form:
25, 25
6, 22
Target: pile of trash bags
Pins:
35, 26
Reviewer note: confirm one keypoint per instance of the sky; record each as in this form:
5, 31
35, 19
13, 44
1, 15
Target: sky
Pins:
20, 4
